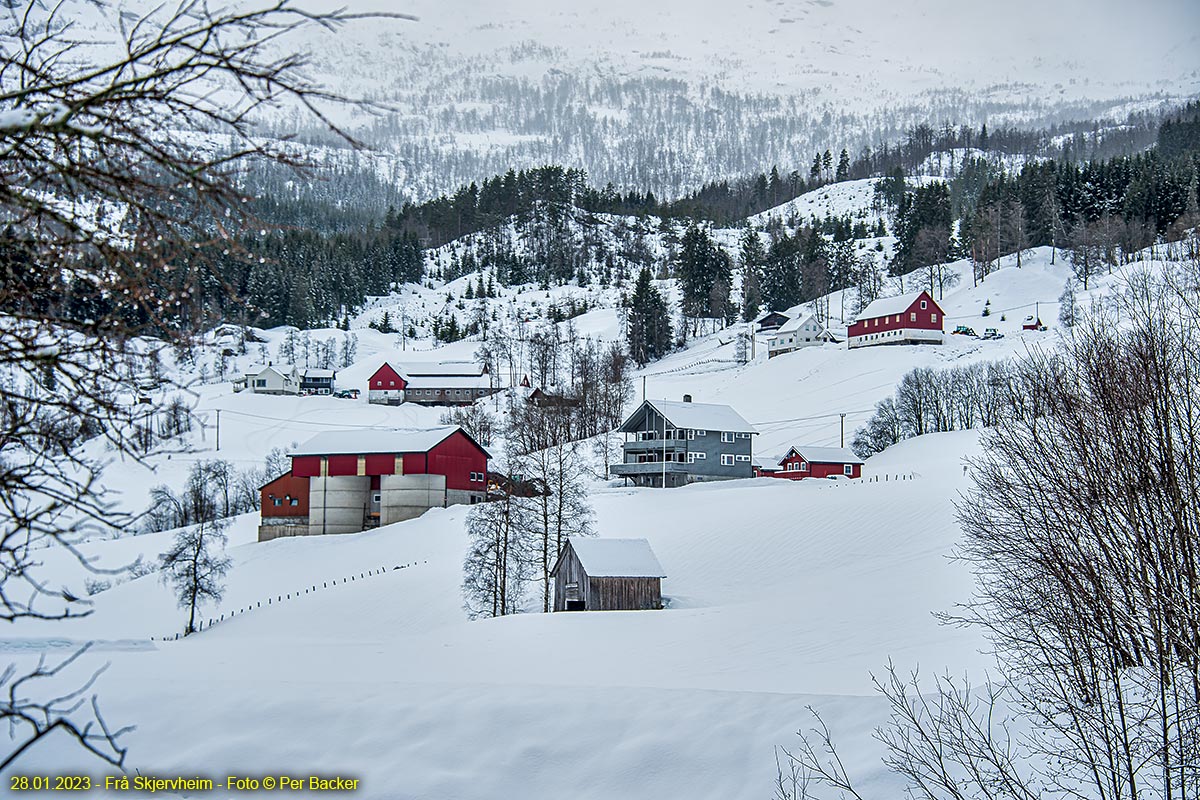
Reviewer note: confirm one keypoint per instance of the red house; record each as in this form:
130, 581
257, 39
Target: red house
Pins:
814, 462
913, 318
348, 481
386, 386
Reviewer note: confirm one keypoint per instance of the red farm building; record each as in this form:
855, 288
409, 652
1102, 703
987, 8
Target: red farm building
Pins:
913, 318
814, 462
348, 481
432, 384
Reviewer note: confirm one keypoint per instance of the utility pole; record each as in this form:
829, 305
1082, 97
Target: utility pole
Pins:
218, 430
643, 388
843, 429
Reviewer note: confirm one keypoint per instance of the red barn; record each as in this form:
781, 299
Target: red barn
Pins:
913, 318
814, 462
357, 479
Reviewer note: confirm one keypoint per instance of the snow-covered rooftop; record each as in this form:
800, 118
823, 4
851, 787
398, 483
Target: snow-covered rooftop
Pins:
617, 558
827, 455
370, 440
885, 306
448, 382
421, 369
702, 416
794, 324
313, 372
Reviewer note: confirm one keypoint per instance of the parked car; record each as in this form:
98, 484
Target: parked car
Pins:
346, 394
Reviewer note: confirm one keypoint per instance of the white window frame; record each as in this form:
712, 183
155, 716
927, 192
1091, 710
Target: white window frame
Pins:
742, 458
701, 432
848, 469
743, 436
804, 466
933, 317
691, 434
792, 466
727, 437
924, 305
912, 316
727, 459
700, 455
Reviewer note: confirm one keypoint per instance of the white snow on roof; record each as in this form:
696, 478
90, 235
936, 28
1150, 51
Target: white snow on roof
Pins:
313, 372
885, 306
461, 368
794, 324
361, 441
827, 455
617, 558
449, 382
702, 416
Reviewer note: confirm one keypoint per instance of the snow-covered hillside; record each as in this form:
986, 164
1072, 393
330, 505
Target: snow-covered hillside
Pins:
352, 655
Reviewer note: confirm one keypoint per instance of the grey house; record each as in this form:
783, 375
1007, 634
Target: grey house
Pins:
671, 443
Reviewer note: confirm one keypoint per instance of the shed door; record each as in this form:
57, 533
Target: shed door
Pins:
573, 601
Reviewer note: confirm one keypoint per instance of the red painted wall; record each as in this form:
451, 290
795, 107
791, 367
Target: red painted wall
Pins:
306, 466
384, 376
343, 465
929, 318
285, 487
457, 457
381, 464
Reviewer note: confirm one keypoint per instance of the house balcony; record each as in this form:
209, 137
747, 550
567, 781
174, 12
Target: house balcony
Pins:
648, 468
645, 445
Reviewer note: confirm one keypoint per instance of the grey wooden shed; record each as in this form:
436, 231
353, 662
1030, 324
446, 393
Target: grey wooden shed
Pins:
599, 574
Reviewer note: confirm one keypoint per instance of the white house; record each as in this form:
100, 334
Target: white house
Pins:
269, 380
803, 331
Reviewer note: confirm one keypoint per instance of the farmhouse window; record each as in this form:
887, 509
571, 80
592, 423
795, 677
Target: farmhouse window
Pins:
391, 383
848, 469
804, 466
912, 317
701, 433
743, 458
726, 436
276, 501
691, 433
699, 456
924, 305
295, 501
933, 317
726, 460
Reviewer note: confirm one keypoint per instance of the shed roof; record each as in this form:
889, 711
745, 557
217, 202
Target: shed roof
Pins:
886, 306
697, 416
362, 441
616, 558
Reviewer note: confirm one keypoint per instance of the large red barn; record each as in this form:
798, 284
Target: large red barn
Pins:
913, 318
356, 479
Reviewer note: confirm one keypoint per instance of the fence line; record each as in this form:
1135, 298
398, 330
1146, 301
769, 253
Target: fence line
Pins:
206, 624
